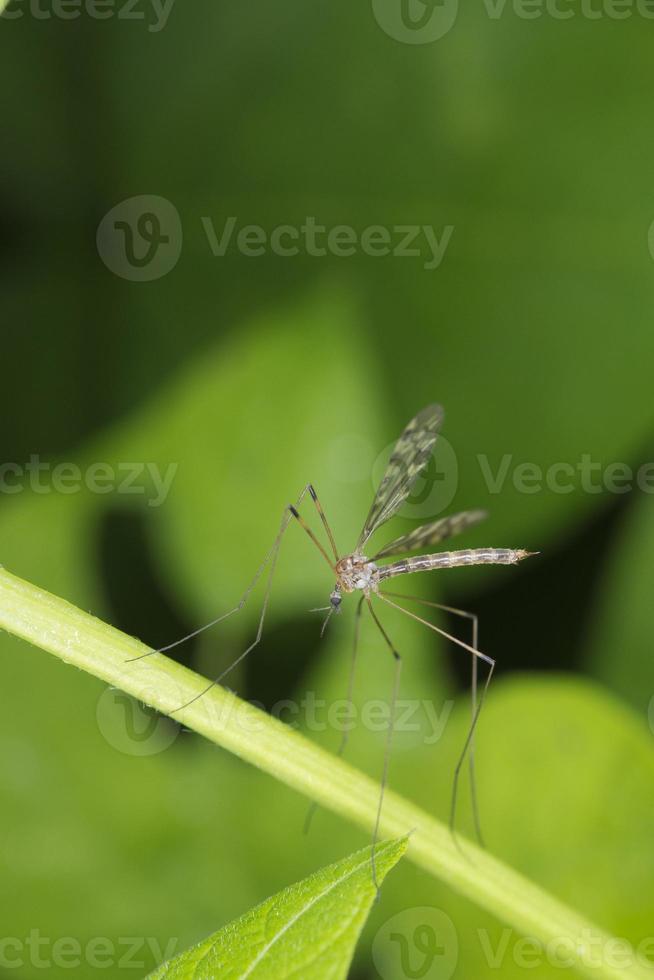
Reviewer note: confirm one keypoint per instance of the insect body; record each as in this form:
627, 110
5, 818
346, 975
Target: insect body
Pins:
359, 572
355, 572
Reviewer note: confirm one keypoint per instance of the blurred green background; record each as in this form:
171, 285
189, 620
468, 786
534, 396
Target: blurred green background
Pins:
251, 375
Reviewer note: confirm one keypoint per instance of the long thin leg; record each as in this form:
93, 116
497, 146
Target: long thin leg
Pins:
350, 691
314, 497
273, 554
345, 735
471, 754
285, 522
389, 736
473, 690
478, 655
271, 558
303, 524
239, 605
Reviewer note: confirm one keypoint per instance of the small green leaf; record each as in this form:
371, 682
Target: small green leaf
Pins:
309, 930
619, 646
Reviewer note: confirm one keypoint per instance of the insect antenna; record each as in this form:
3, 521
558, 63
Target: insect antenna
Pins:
327, 618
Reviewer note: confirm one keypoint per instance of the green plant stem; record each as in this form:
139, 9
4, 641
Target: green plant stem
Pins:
80, 639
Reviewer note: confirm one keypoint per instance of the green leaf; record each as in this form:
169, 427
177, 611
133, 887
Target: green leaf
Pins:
619, 648
542, 263
239, 461
566, 795
309, 930
82, 640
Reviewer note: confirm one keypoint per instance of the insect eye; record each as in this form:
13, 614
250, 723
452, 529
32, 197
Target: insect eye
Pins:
335, 599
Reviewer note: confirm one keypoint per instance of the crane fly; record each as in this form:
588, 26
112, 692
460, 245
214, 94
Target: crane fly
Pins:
356, 573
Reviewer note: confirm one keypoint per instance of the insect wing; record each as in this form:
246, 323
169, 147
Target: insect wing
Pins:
430, 534
409, 457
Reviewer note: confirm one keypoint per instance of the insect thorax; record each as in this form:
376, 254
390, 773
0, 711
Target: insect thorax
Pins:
356, 572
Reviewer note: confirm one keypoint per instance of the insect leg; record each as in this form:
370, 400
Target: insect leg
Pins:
314, 497
303, 524
350, 691
290, 509
389, 736
239, 605
478, 655
474, 619
353, 665
271, 559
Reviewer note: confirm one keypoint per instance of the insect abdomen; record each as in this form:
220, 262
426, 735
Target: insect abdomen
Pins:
451, 559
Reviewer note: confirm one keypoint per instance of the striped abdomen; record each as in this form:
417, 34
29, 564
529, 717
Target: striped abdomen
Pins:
451, 559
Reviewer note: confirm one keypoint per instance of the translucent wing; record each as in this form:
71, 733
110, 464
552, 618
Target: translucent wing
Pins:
430, 534
408, 459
